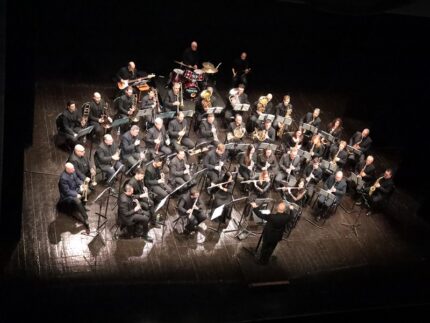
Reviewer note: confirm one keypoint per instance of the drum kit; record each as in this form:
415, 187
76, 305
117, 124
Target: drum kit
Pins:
193, 80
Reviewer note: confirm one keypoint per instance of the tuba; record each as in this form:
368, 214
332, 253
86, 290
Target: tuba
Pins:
372, 188
206, 99
85, 114
261, 104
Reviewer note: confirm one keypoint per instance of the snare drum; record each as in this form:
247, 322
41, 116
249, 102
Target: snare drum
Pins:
190, 75
176, 75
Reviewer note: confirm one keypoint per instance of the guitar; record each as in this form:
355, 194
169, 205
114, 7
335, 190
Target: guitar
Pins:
124, 83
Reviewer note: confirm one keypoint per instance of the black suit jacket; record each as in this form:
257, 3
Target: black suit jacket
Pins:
339, 186
275, 225
127, 145
365, 143
103, 155
69, 185
82, 165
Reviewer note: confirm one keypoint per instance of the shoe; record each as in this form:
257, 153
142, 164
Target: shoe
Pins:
358, 203
318, 218
369, 213
147, 238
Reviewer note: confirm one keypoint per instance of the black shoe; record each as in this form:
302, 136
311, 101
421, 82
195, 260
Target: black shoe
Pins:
369, 213
318, 218
147, 238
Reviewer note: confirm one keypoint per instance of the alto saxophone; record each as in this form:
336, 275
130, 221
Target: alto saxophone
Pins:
181, 136
373, 187
282, 125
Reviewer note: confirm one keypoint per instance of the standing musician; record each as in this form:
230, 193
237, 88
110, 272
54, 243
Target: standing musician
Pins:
313, 175
240, 70
69, 124
140, 192
315, 146
172, 99
131, 152
362, 142
154, 179
311, 118
208, 131
381, 189
190, 56
179, 172
261, 184
295, 140
273, 230
71, 191
189, 206
213, 161
223, 195
336, 185
107, 156
82, 165
283, 109
97, 110
130, 214
289, 168
338, 154
236, 130
269, 131
266, 160
156, 139
364, 169
178, 132
236, 96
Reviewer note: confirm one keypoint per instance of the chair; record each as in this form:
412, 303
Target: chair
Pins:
182, 219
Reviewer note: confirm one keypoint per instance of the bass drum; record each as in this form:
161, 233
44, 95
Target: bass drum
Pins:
191, 89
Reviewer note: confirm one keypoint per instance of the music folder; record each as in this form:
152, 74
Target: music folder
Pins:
327, 136
167, 115
85, 131
120, 122
241, 107
145, 112
265, 116
353, 150
214, 110
265, 145
188, 113
304, 154
281, 119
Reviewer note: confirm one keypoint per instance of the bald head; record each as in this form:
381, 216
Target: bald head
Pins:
269, 96
108, 140
194, 45
97, 97
365, 132
338, 176
70, 169
131, 66
369, 159
79, 150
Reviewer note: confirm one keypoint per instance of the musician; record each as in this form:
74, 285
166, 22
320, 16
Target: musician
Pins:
82, 165
208, 131
130, 214
129, 72
365, 170
69, 124
179, 172
125, 104
383, 187
262, 106
154, 179
315, 146
297, 195
247, 163
266, 160
338, 154
204, 101
283, 109
313, 119
237, 96
180, 127
335, 128
223, 195
269, 131
336, 185
362, 142
261, 184
171, 101
131, 152
107, 156
149, 101
295, 140
213, 161
189, 206
155, 139
313, 174
190, 56
240, 126
96, 115
273, 230
140, 192
289, 167
240, 70
71, 189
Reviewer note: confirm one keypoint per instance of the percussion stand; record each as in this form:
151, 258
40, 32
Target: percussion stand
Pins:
363, 206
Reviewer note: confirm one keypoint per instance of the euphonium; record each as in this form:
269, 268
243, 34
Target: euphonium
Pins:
373, 187
206, 99
261, 104
85, 114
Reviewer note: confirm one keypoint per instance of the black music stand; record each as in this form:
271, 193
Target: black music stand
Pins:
327, 136
287, 121
327, 196
119, 122
110, 180
103, 214
134, 166
265, 116
364, 204
265, 145
85, 131
309, 127
241, 107
219, 211
214, 110
304, 154
189, 114
166, 115
328, 167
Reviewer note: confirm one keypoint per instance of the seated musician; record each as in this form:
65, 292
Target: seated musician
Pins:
336, 185
237, 96
140, 192
96, 115
125, 106
82, 164
213, 161
223, 194
270, 132
204, 101
240, 70
131, 152
178, 132
172, 99
261, 185
208, 131
107, 156
129, 72
283, 109
156, 140
247, 163
131, 215
189, 206
236, 130
71, 193
289, 168
190, 56
335, 128
179, 172
297, 194
149, 101
313, 119
338, 154
262, 106
365, 170
266, 160
295, 140
69, 124
362, 142
380, 190
154, 179
313, 174
315, 146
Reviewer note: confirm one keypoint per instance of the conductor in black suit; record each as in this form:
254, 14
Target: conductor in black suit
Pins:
273, 230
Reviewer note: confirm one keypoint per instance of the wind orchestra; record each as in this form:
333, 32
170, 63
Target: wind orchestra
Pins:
264, 150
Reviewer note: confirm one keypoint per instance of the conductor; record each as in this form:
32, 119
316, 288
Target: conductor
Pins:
273, 230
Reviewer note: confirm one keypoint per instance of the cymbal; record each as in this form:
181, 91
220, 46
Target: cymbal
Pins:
210, 70
208, 65
182, 64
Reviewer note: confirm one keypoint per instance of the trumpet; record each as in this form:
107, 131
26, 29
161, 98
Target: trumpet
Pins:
372, 188
183, 131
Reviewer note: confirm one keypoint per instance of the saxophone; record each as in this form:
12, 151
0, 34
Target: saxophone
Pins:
333, 161
282, 125
85, 114
373, 187
133, 109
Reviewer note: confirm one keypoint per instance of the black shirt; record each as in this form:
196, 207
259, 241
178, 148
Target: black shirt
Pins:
240, 65
190, 57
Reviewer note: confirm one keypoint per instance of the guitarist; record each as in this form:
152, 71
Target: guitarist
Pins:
127, 73
240, 70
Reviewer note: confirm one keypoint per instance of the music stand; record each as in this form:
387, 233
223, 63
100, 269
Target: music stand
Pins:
134, 166
214, 110
219, 211
265, 145
145, 113
327, 136
188, 113
120, 122
243, 107
304, 154
109, 181
364, 204
287, 121
166, 115
309, 127
352, 150
85, 131
328, 166
102, 224
264, 116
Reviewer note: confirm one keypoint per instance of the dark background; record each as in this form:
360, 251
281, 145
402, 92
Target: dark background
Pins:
380, 61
